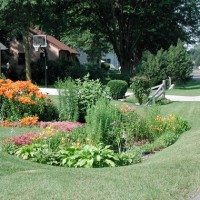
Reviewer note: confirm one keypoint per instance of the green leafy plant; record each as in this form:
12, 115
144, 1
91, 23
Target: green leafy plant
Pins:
89, 91
100, 123
141, 88
68, 100
118, 88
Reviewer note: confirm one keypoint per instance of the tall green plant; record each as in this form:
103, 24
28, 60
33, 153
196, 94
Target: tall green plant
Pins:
68, 100
89, 92
179, 62
101, 120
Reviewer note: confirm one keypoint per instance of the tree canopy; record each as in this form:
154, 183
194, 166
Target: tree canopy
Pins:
130, 26
135, 26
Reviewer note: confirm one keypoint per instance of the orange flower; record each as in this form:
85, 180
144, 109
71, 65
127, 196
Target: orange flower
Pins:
29, 120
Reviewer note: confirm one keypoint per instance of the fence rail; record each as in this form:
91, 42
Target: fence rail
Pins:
160, 92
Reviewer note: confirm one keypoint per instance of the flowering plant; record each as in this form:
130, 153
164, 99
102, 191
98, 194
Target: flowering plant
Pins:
21, 99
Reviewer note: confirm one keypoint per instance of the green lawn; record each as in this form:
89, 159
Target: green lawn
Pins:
173, 173
192, 88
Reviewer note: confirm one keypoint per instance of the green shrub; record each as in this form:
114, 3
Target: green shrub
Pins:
75, 97
118, 88
118, 76
89, 92
141, 88
179, 63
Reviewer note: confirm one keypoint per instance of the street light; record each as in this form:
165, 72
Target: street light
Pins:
2, 47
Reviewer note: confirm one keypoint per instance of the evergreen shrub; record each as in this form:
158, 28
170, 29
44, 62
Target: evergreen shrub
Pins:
118, 88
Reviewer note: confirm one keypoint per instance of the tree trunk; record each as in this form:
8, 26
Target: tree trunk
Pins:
27, 56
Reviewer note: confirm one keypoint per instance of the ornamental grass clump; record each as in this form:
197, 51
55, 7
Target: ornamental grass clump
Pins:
23, 99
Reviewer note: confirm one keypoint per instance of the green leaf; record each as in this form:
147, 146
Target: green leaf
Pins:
98, 158
110, 163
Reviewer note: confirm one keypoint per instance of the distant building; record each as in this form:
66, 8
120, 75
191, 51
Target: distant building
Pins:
110, 58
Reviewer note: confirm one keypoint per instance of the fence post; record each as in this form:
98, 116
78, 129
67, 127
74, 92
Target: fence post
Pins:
170, 81
164, 87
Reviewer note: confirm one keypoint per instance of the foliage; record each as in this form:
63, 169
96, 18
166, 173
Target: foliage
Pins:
100, 123
75, 155
141, 88
117, 76
89, 91
22, 99
179, 63
154, 66
68, 100
118, 88
95, 72
157, 125
174, 62
151, 28
105, 66
57, 69
93, 44
76, 96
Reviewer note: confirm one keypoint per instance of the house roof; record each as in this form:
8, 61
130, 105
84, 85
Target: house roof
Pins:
54, 41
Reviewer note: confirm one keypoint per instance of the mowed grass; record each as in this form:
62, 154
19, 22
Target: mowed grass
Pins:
173, 173
191, 88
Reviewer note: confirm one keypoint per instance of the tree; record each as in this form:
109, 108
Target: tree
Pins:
174, 62
94, 44
134, 26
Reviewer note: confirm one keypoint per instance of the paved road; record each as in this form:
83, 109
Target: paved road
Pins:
52, 91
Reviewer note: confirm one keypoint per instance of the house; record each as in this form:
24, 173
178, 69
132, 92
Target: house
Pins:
110, 58
54, 50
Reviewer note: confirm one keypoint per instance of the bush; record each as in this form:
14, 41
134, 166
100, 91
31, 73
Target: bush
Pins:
118, 88
89, 92
105, 66
95, 72
141, 88
117, 76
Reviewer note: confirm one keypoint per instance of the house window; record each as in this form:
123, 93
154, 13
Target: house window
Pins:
63, 54
21, 59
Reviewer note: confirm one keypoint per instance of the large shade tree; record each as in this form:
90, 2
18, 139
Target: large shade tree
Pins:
133, 26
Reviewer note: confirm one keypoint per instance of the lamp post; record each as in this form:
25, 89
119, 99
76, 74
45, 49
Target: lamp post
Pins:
2, 47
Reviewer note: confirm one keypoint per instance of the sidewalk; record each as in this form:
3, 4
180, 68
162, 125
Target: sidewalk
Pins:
53, 91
